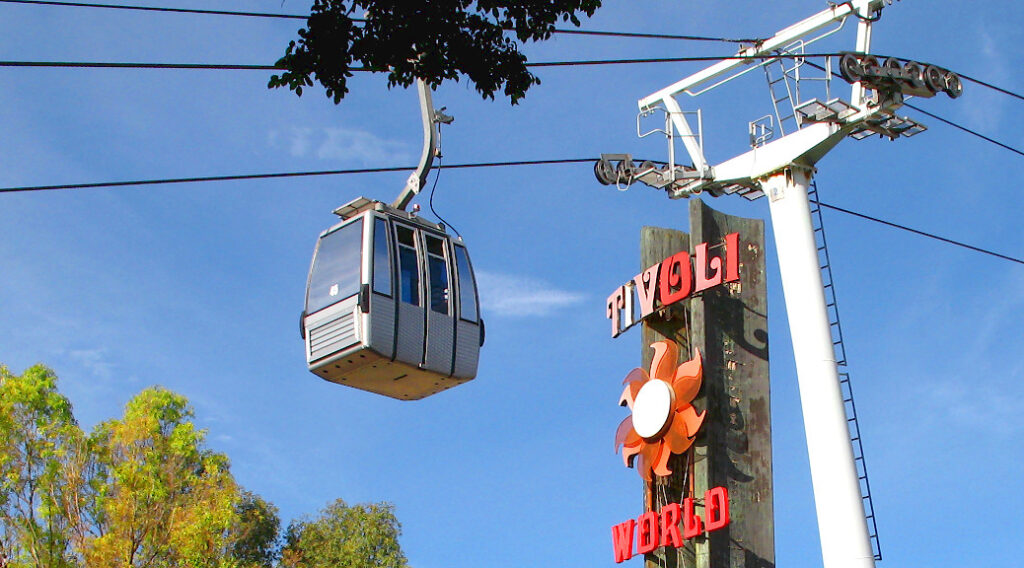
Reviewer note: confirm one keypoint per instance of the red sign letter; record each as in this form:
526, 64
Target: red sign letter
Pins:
716, 508
670, 515
647, 533
691, 522
646, 286
622, 540
732, 257
675, 273
703, 280
616, 302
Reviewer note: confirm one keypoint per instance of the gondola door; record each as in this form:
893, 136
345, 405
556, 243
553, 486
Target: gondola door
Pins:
381, 336
411, 322
469, 334
440, 344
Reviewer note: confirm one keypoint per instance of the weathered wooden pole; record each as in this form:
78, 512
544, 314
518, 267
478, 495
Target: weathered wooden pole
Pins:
728, 324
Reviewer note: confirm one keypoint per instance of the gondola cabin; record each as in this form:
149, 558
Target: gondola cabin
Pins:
391, 304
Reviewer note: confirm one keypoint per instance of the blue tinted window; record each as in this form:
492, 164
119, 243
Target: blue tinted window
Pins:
336, 267
381, 258
467, 285
438, 265
408, 266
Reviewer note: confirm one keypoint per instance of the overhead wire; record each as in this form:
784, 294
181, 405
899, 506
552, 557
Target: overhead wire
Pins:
657, 36
162, 181
991, 86
147, 182
919, 232
302, 17
633, 61
154, 9
558, 30
130, 65
258, 67
166, 9
964, 129
141, 65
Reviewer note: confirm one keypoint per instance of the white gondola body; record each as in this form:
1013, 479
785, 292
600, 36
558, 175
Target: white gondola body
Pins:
391, 304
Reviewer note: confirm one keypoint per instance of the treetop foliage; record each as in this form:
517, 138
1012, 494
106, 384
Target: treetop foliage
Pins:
352, 536
143, 490
434, 41
37, 432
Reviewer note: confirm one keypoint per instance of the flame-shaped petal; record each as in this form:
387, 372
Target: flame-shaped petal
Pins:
623, 433
643, 467
634, 380
636, 374
688, 415
686, 390
678, 437
629, 453
660, 466
691, 368
688, 379
663, 364
648, 458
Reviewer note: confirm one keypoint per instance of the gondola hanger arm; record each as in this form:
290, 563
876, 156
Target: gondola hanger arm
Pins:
431, 137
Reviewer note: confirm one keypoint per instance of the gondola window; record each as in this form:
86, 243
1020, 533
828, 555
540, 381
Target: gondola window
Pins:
438, 275
408, 266
467, 287
336, 273
381, 258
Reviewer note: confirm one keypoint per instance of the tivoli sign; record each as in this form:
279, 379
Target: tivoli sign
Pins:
663, 421
672, 280
698, 430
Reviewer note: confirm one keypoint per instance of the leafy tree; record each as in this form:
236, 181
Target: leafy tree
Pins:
253, 539
144, 491
37, 430
157, 496
429, 40
343, 536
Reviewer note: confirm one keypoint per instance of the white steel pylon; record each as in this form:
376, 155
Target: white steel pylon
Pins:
782, 169
842, 527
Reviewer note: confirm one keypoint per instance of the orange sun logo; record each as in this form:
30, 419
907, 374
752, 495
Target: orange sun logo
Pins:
663, 420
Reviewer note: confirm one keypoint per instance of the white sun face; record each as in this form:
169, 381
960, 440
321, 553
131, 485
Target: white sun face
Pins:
652, 408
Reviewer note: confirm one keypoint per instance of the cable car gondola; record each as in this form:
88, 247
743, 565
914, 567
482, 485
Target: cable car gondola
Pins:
391, 300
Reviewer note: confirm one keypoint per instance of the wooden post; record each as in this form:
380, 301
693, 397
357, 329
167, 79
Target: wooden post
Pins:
656, 245
728, 324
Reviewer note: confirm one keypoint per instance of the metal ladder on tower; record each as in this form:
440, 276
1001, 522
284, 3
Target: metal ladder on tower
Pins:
783, 76
844, 376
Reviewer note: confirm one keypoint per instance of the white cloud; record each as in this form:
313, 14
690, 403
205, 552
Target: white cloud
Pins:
300, 141
95, 361
342, 145
986, 111
349, 144
973, 405
509, 295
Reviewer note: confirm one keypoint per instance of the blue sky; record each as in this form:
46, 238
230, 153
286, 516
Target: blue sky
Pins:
198, 287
